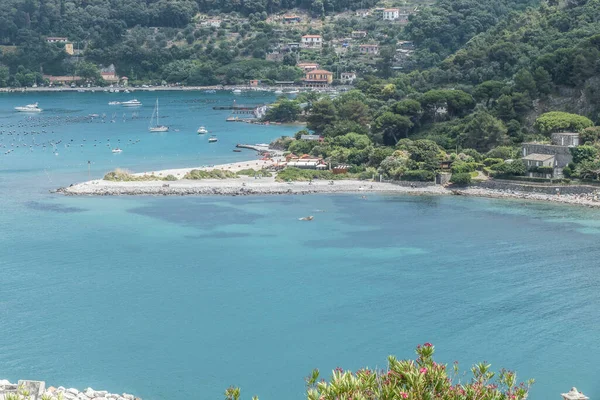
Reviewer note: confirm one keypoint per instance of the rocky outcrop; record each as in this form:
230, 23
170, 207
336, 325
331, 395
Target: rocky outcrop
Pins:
36, 390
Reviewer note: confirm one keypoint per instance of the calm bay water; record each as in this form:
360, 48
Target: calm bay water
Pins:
182, 297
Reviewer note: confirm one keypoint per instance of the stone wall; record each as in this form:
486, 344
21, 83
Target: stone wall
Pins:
36, 390
533, 187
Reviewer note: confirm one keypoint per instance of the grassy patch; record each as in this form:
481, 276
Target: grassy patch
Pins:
252, 172
120, 175
296, 174
213, 174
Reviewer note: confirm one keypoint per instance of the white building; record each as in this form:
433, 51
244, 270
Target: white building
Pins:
391, 14
312, 41
348, 77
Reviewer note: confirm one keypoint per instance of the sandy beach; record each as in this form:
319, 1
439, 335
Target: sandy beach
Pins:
179, 173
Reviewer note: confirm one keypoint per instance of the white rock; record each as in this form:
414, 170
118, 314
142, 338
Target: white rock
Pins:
101, 393
73, 391
60, 389
69, 396
83, 396
4, 382
89, 392
128, 396
99, 398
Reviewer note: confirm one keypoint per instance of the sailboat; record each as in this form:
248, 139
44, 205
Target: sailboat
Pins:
158, 127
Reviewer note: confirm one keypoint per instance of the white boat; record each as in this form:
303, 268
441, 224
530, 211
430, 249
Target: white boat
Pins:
212, 139
158, 127
293, 92
117, 150
114, 103
237, 91
29, 108
131, 103
127, 91
278, 92
202, 130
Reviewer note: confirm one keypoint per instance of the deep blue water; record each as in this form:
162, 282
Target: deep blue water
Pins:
184, 296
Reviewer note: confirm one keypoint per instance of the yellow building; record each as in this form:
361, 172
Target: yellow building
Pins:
69, 49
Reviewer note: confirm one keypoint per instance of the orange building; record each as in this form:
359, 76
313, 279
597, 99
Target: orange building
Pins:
318, 78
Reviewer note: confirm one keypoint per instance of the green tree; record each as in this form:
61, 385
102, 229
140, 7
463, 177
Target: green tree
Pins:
556, 121
392, 127
284, 111
543, 80
322, 115
524, 82
584, 153
4, 76
483, 131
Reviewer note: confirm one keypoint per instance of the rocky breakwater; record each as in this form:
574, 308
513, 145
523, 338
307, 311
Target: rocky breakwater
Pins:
579, 199
238, 187
37, 390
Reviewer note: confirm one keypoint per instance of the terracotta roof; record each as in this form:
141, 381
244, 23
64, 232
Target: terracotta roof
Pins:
320, 71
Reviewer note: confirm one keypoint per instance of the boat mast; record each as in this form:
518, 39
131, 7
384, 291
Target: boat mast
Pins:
157, 123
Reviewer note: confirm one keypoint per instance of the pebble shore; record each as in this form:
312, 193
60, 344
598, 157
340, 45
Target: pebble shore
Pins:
37, 390
268, 186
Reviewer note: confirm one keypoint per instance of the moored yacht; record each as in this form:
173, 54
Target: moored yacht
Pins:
212, 139
202, 130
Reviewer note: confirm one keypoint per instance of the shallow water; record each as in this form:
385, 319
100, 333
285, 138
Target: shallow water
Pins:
173, 297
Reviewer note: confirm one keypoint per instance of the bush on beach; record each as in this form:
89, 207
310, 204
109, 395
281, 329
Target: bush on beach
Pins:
121, 175
196, 174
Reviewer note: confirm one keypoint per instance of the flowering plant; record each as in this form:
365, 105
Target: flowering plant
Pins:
420, 379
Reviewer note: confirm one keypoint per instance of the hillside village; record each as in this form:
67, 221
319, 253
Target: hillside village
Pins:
291, 45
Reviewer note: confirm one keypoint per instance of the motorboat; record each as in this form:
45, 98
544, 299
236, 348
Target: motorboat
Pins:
212, 139
237, 91
131, 103
117, 150
157, 127
29, 108
202, 130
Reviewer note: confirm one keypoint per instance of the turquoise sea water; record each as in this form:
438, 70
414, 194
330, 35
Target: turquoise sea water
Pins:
183, 296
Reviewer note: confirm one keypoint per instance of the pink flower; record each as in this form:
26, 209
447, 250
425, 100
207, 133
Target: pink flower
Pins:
423, 370
404, 395
428, 344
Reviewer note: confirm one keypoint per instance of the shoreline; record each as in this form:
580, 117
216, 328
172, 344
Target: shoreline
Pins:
218, 88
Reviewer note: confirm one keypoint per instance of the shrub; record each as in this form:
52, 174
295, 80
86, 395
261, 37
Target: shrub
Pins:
463, 178
170, 178
418, 175
212, 174
473, 153
418, 379
297, 174
120, 175
252, 172
461, 166
503, 152
491, 161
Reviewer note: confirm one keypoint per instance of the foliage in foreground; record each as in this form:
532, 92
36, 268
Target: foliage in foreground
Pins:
212, 174
119, 175
420, 379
